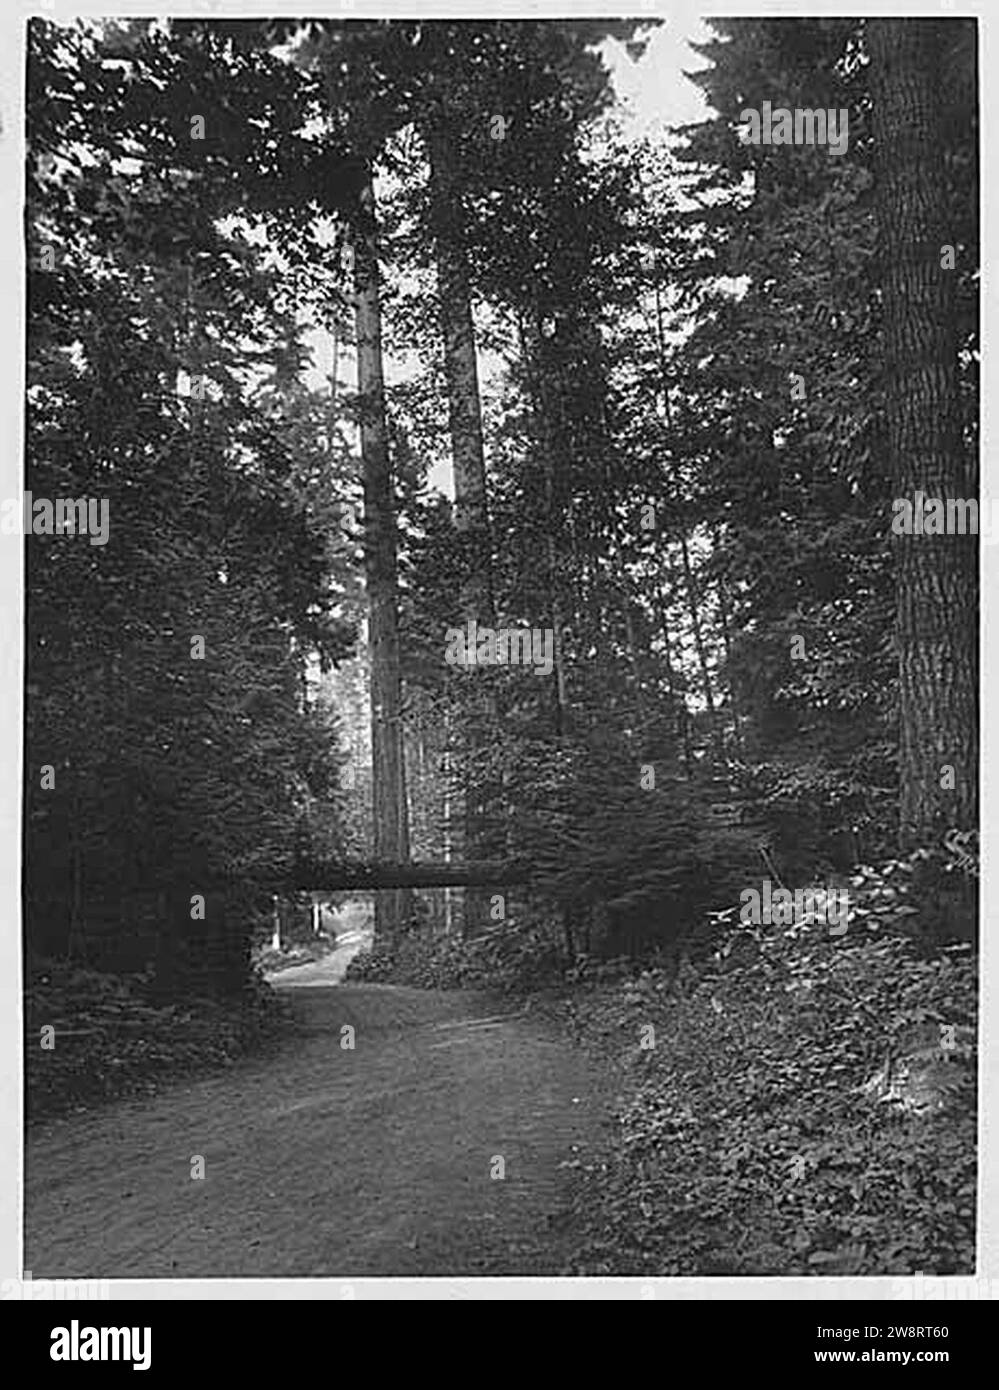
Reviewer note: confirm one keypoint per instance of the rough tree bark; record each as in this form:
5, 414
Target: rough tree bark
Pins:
388, 793
471, 509
542, 413
936, 576
461, 371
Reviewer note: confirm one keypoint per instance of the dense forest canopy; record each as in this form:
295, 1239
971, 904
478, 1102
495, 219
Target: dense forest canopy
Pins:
660, 375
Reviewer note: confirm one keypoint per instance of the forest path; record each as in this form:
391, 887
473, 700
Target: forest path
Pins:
354, 933
324, 1161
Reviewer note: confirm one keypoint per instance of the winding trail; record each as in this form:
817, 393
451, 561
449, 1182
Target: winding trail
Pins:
326, 1161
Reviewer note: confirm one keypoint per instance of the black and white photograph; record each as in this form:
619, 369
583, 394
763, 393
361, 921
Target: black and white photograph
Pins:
494, 553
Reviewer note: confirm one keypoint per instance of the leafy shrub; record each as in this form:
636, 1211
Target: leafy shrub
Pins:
646, 863
808, 1108
817, 807
512, 958
372, 966
113, 1038
930, 895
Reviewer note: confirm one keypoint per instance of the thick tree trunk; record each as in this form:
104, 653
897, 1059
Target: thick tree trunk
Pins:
471, 511
937, 600
461, 370
389, 802
448, 899
542, 414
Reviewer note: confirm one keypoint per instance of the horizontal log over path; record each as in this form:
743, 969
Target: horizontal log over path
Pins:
319, 876
322, 875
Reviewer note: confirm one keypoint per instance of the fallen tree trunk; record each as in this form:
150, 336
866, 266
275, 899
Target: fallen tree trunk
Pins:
319, 875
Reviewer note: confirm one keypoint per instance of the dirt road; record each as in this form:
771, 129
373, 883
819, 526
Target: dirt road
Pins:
383, 1159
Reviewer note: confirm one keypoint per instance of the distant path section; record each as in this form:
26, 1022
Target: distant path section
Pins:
354, 930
